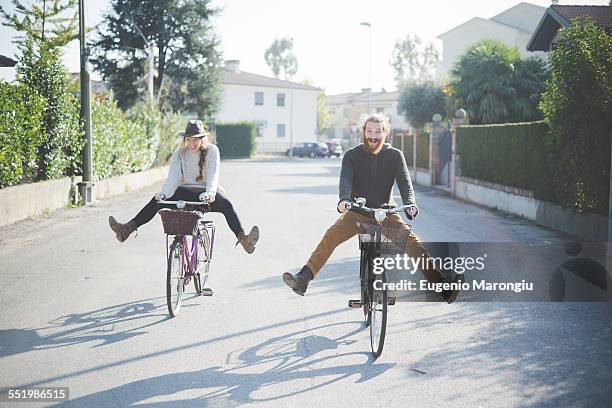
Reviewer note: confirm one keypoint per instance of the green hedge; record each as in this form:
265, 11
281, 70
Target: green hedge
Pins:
516, 155
236, 139
122, 143
407, 148
422, 149
21, 113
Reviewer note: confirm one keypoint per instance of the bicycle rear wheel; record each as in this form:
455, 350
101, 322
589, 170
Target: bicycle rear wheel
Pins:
175, 277
200, 280
378, 309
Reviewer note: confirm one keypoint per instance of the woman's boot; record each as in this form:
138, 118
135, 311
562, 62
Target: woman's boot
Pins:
122, 231
248, 241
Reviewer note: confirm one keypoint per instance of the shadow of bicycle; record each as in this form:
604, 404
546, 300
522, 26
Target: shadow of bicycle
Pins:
102, 326
269, 371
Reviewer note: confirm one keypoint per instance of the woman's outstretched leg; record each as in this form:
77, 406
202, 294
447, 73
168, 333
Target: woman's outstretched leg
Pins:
225, 207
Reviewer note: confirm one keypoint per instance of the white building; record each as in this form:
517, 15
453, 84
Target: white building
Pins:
513, 27
348, 109
284, 112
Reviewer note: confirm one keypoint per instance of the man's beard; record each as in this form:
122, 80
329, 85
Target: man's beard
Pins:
377, 148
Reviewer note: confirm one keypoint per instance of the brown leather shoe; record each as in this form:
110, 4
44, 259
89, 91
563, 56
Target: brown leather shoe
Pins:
122, 231
248, 241
451, 295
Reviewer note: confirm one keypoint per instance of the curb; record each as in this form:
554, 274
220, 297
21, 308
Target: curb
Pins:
30, 200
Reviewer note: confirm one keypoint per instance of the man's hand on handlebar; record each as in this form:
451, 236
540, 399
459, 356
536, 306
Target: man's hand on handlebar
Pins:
160, 196
412, 211
342, 206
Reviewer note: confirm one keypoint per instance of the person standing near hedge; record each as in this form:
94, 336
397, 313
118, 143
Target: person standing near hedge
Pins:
194, 164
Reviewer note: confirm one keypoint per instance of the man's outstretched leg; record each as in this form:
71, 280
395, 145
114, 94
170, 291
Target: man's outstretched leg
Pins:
343, 229
415, 249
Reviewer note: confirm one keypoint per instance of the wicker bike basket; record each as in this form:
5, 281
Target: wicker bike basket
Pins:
179, 222
392, 239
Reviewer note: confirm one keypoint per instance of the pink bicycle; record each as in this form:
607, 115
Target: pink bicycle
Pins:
189, 248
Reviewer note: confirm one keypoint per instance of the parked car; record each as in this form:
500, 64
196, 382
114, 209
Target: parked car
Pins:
310, 149
334, 149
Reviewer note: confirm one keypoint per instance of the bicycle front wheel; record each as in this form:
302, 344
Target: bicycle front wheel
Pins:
378, 310
175, 277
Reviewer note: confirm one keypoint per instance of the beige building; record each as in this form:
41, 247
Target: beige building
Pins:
348, 110
513, 27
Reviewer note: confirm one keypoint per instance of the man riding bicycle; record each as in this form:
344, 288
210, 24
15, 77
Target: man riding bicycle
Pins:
369, 170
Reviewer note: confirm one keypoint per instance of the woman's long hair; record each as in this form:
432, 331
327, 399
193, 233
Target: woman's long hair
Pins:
203, 150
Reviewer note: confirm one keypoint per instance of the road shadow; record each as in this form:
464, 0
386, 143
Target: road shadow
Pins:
556, 354
264, 372
98, 326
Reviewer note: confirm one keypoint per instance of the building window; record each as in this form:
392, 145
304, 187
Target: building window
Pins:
280, 99
380, 110
280, 130
260, 127
258, 98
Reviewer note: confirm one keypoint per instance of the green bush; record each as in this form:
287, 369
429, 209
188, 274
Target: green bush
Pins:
576, 104
21, 113
122, 143
419, 102
422, 149
236, 139
41, 70
515, 154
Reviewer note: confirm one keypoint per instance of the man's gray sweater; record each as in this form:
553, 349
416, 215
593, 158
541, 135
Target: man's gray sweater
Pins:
371, 176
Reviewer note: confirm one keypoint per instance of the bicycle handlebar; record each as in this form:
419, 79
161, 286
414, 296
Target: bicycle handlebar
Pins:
379, 213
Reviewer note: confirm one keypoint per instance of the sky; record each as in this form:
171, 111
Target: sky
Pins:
331, 46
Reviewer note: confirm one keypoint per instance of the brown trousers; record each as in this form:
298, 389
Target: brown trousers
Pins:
346, 227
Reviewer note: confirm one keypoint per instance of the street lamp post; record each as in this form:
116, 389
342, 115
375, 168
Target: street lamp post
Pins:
86, 187
367, 24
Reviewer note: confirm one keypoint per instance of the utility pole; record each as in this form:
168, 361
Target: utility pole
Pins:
86, 187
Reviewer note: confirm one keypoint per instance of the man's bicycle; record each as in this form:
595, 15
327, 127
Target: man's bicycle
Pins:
189, 249
374, 240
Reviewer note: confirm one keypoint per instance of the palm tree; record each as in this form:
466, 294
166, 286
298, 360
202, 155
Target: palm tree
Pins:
494, 85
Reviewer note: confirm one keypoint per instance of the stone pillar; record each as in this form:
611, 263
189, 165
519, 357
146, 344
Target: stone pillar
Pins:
434, 149
460, 119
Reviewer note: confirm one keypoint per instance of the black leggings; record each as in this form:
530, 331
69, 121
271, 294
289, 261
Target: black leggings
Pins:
221, 205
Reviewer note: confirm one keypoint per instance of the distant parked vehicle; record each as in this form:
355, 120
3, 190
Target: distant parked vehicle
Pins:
310, 149
334, 149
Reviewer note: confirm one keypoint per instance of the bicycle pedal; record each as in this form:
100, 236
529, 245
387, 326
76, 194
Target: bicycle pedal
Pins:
354, 304
207, 292
391, 300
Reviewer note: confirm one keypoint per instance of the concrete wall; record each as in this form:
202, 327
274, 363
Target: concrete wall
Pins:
422, 177
521, 202
238, 104
30, 200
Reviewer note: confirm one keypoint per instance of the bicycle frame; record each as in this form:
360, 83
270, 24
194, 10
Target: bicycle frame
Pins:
190, 256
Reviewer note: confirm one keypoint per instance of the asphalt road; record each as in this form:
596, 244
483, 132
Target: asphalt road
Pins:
83, 311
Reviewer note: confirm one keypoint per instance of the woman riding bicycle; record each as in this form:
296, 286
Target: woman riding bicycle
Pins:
194, 168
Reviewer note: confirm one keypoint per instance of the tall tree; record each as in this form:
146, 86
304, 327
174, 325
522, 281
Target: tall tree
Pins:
280, 58
577, 105
186, 51
54, 21
413, 62
494, 85
418, 102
